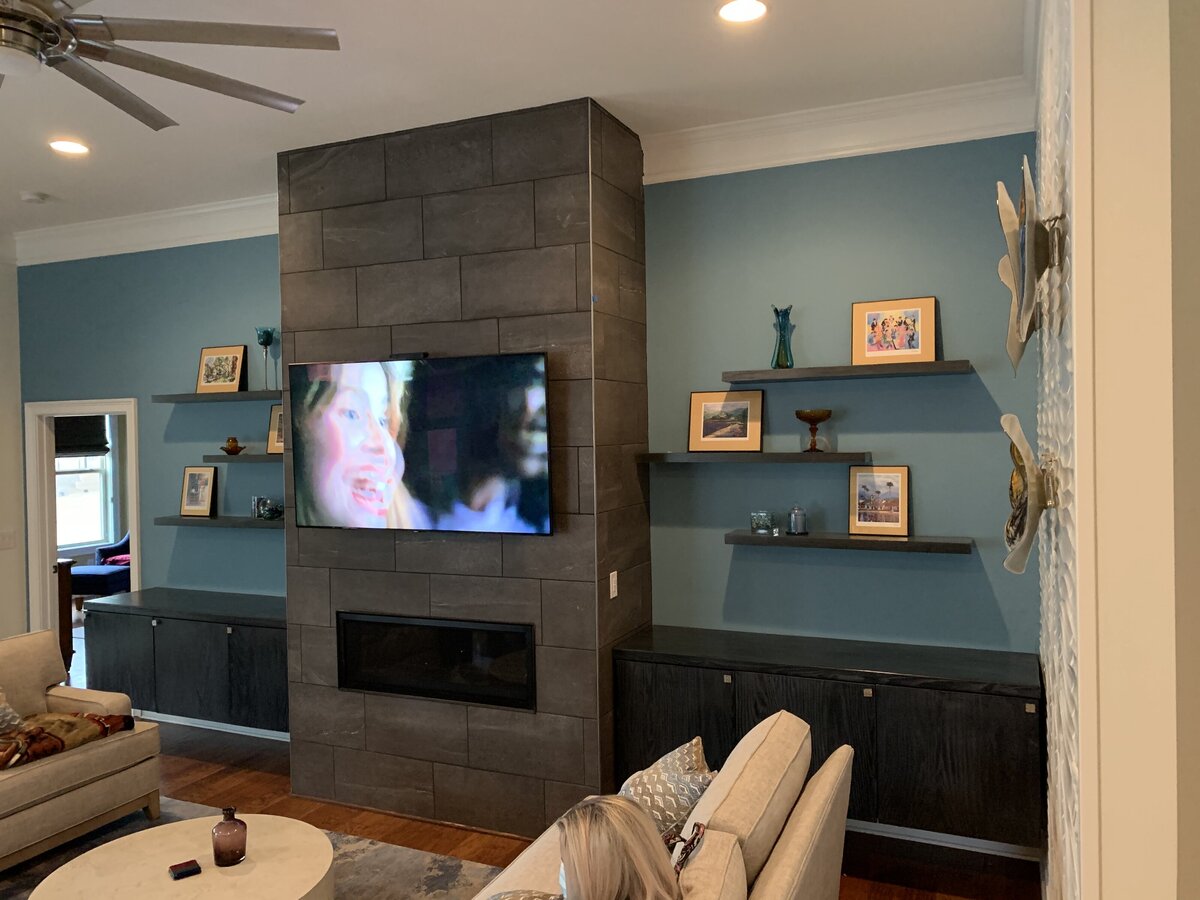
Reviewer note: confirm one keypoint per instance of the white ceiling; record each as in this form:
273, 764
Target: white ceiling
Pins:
660, 65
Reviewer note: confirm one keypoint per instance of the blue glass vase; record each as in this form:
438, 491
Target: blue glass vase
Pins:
783, 339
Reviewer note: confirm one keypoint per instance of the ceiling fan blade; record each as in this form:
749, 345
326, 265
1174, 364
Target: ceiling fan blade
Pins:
165, 68
99, 83
57, 9
102, 28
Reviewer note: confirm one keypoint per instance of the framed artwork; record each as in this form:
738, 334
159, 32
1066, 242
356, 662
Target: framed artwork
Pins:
222, 370
199, 496
725, 421
894, 331
879, 500
275, 430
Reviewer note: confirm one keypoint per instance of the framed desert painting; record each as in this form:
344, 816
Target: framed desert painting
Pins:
222, 370
879, 500
894, 331
199, 491
725, 421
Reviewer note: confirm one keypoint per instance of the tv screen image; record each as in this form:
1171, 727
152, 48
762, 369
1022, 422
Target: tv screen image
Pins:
448, 444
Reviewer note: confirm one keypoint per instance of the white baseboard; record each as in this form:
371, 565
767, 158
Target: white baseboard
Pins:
213, 726
992, 848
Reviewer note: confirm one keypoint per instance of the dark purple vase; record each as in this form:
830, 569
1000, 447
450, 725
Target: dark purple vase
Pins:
229, 839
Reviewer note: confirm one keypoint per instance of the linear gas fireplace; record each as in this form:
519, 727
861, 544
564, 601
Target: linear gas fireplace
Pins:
446, 659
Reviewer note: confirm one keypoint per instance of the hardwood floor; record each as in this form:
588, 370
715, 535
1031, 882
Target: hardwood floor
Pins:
218, 769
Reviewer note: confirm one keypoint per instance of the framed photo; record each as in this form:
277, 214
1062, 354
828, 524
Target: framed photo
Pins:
199, 496
894, 331
879, 500
725, 421
275, 430
222, 370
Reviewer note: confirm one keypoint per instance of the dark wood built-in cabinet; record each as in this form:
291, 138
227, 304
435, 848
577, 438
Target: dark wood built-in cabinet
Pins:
945, 740
196, 654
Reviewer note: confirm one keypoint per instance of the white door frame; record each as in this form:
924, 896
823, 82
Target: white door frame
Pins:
42, 544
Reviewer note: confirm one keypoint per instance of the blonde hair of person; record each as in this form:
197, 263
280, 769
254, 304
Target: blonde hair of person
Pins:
610, 851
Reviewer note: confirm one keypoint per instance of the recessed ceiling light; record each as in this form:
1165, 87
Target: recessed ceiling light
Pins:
743, 10
69, 148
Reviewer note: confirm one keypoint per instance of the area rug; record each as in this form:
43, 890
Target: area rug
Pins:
362, 868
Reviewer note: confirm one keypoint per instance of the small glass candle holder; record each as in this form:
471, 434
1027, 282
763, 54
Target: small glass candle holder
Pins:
762, 522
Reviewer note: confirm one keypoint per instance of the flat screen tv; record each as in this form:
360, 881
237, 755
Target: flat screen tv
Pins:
448, 444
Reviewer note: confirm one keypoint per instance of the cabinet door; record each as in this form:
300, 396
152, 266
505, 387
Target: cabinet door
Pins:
191, 668
958, 763
659, 707
258, 686
837, 712
120, 656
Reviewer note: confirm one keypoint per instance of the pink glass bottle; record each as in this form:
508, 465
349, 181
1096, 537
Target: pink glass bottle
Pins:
229, 839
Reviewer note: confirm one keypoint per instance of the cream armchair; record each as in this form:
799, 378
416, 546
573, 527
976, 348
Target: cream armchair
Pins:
51, 801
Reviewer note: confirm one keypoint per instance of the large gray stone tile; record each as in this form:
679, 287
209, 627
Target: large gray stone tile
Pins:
294, 651
596, 114
516, 600
565, 338
569, 409
541, 143
484, 220
316, 300
442, 158
569, 614
475, 338
560, 797
614, 219
409, 292
534, 744
281, 172
418, 729
300, 242
606, 737
383, 781
606, 280
583, 277
308, 596
449, 554
566, 680
620, 349
318, 655
325, 715
337, 176
519, 283
632, 281
621, 416
501, 802
343, 345
620, 479
622, 152
337, 548
391, 593
587, 480
623, 538
372, 233
630, 609
564, 479
311, 769
567, 555
561, 210
291, 544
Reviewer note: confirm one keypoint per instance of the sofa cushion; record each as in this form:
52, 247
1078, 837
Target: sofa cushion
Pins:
25, 786
754, 793
670, 787
715, 870
30, 663
535, 869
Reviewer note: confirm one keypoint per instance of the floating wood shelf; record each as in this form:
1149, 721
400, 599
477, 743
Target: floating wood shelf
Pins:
243, 457
684, 457
841, 373
832, 541
217, 398
219, 521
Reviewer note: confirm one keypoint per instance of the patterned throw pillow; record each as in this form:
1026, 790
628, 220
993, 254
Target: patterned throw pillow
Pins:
669, 788
525, 895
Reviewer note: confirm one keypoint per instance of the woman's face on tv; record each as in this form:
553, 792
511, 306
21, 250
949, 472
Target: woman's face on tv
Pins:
355, 461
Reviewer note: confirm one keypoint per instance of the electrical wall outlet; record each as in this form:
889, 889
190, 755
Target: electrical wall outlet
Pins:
612, 585
8, 541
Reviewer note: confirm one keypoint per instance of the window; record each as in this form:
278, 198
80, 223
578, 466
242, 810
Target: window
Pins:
84, 500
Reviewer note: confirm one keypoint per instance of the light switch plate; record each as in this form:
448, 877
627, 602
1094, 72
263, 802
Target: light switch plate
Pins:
612, 585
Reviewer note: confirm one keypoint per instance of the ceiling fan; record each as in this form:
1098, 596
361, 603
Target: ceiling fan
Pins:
49, 32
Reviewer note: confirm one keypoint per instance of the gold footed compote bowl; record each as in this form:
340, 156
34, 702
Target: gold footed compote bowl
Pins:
813, 418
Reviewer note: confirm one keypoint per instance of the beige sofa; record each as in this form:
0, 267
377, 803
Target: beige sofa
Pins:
773, 833
48, 802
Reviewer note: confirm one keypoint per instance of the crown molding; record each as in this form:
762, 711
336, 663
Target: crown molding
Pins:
942, 116
203, 224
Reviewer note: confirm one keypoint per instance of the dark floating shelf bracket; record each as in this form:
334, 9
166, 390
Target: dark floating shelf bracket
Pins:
854, 459
842, 373
220, 522
217, 398
833, 541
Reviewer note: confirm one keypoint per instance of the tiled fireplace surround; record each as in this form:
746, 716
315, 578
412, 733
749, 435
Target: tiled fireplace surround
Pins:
511, 233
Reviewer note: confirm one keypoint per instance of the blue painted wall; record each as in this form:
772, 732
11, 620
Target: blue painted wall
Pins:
132, 326
720, 251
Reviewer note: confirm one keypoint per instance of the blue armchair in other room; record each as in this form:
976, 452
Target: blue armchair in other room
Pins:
107, 576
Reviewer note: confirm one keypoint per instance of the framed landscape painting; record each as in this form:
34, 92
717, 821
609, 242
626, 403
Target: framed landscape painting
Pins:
894, 331
724, 421
199, 491
879, 500
275, 430
222, 370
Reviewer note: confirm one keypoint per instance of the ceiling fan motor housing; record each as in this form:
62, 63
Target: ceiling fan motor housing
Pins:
27, 29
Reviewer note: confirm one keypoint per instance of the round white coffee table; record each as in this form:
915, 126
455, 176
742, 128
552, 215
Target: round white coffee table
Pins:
286, 859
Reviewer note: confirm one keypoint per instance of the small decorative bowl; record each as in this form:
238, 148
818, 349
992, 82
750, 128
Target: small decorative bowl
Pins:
232, 447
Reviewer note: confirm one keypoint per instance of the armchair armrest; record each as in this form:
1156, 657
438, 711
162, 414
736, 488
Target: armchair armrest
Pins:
61, 698
120, 547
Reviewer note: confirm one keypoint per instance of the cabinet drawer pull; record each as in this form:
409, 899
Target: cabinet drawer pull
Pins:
1031, 707
868, 692
728, 679
154, 623
229, 629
